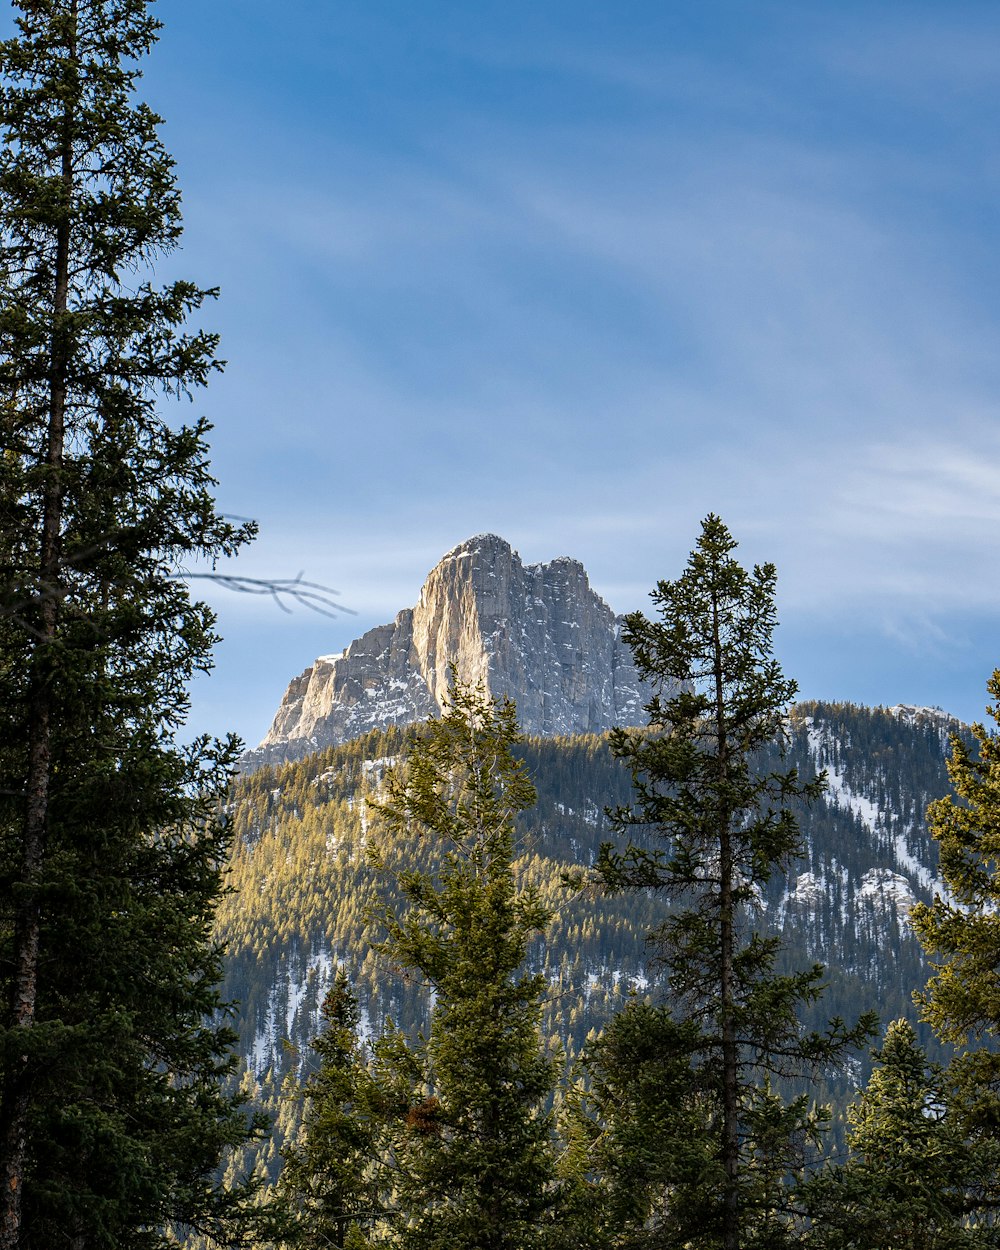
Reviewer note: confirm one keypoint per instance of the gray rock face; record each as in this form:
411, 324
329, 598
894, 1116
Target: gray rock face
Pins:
536, 632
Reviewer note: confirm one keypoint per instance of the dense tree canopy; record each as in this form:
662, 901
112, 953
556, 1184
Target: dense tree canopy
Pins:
960, 931
333, 1179
910, 1169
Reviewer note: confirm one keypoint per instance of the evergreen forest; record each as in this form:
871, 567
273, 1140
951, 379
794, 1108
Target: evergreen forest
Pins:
309, 901
303, 890
726, 980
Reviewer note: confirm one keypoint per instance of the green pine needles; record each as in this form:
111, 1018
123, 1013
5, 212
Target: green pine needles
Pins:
960, 932
333, 1180
475, 1156
911, 1166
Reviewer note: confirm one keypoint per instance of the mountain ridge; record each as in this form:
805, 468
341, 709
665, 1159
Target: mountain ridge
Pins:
538, 633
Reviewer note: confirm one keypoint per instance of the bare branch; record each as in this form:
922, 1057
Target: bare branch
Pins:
310, 595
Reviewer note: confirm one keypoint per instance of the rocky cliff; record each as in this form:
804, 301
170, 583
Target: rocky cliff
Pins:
536, 632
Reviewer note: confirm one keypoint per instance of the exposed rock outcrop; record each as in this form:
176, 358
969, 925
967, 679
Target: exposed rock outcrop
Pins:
536, 632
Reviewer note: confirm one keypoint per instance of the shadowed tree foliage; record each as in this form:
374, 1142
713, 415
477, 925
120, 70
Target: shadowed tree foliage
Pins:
112, 1048
961, 936
636, 1134
333, 1179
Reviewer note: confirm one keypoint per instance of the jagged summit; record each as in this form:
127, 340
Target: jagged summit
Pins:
537, 632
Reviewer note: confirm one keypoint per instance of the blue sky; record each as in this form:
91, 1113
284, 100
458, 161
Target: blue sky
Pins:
579, 273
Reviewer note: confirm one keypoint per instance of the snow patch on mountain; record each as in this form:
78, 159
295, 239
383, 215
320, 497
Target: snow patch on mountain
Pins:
840, 793
292, 1009
885, 888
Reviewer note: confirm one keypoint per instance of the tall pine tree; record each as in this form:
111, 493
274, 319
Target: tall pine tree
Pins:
714, 827
474, 1150
636, 1135
111, 850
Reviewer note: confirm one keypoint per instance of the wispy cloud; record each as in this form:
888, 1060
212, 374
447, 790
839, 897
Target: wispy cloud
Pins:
580, 285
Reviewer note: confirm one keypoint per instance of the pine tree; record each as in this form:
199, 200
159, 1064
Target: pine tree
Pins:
960, 933
636, 1135
331, 1179
111, 848
910, 1166
716, 827
474, 1155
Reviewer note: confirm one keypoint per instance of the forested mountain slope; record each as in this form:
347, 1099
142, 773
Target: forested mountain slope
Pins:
302, 886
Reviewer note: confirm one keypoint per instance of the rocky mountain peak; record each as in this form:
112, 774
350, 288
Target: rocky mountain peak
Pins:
538, 633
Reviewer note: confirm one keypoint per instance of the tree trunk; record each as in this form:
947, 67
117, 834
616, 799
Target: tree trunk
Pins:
730, 1056
27, 912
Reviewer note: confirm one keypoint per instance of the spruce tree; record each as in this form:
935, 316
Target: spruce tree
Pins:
960, 932
474, 1154
112, 1048
714, 826
332, 1179
636, 1135
910, 1166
